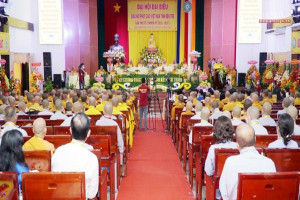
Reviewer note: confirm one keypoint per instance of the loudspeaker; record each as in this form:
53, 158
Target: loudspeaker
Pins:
47, 59
57, 81
47, 73
262, 58
241, 79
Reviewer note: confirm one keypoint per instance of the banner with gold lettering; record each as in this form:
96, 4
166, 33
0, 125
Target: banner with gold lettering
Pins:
157, 15
4, 43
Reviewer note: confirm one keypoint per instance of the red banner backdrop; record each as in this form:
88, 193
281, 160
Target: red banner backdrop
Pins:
115, 20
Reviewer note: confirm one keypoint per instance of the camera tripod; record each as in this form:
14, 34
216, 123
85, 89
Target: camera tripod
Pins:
154, 99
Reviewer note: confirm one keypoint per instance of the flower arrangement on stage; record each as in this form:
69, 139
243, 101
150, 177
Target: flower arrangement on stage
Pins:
252, 73
35, 80
204, 85
222, 72
154, 56
268, 76
4, 81
12, 82
114, 54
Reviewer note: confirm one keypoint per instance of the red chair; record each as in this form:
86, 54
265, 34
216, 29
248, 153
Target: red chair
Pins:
195, 147
33, 117
261, 186
271, 130
93, 119
212, 182
58, 140
183, 131
53, 186
262, 141
9, 185
38, 160
57, 122
61, 130
286, 160
24, 122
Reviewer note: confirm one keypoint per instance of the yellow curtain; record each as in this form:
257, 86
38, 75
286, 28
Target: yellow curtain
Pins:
164, 40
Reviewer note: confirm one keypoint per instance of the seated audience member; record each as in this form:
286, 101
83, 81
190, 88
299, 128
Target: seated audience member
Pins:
10, 118
11, 101
239, 100
188, 111
200, 96
107, 120
285, 130
266, 119
217, 98
105, 99
75, 98
207, 102
266, 98
223, 134
252, 120
45, 110
92, 107
236, 114
248, 161
204, 122
297, 99
255, 101
293, 112
180, 104
37, 142
22, 108
216, 113
231, 102
285, 104
36, 105
84, 101
2, 108
227, 95
58, 114
115, 103
198, 109
11, 153
194, 96
247, 104
77, 108
69, 106
227, 114
75, 157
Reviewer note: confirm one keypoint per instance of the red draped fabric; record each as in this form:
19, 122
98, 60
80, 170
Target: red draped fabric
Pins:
116, 22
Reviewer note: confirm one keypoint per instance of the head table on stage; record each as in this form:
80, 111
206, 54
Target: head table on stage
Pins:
74, 81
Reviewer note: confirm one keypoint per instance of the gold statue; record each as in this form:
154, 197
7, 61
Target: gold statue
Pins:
151, 43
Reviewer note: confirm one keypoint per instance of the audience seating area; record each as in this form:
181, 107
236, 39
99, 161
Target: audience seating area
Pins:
287, 161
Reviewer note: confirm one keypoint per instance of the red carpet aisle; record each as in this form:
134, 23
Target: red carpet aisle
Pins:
154, 171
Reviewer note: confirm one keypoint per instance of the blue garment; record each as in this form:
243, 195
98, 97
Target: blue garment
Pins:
20, 169
200, 98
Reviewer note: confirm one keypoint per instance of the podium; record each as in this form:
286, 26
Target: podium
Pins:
73, 80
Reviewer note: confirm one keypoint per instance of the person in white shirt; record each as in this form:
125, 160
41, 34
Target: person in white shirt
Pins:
75, 157
252, 119
266, 119
292, 100
198, 109
22, 108
204, 122
216, 113
77, 108
293, 112
58, 114
285, 104
107, 120
227, 114
10, 122
248, 161
46, 110
223, 134
236, 114
2, 108
285, 130
69, 106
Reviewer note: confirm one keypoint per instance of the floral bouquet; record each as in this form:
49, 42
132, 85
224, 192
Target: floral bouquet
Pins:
222, 72
269, 74
154, 56
109, 54
252, 73
194, 54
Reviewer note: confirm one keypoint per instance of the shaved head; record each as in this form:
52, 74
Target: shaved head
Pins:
293, 112
286, 102
37, 99
205, 113
92, 101
267, 108
22, 106
198, 107
252, 113
189, 106
39, 127
77, 107
254, 97
227, 114
45, 104
108, 109
236, 111
58, 104
245, 136
12, 101
115, 101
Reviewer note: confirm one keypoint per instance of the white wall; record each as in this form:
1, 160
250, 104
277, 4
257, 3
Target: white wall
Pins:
271, 43
25, 41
